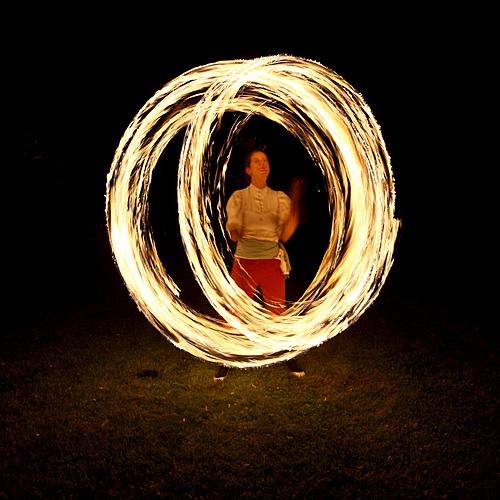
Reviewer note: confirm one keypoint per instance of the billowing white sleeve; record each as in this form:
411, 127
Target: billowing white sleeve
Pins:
234, 212
284, 207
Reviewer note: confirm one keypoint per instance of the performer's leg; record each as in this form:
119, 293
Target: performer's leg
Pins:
272, 283
242, 275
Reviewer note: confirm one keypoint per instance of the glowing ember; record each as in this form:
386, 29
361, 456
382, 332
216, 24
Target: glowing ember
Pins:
336, 127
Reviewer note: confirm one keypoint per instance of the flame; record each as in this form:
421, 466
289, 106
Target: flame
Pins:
338, 130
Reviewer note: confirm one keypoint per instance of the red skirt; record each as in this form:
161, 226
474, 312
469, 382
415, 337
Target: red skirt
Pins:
265, 274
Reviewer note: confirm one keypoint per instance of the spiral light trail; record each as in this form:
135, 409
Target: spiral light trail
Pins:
337, 129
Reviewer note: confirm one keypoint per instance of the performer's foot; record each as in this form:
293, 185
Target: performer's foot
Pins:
221, 373
294, 368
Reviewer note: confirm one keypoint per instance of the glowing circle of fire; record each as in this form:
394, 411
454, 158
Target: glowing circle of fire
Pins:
340, 134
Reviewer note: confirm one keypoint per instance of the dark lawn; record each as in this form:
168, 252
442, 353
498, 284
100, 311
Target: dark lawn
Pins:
403, 404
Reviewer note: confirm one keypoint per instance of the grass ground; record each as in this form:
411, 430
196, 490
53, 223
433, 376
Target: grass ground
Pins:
97, 404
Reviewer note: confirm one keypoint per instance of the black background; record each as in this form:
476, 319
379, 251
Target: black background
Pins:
79, 78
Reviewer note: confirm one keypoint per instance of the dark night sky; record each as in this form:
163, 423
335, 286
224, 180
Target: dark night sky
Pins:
78, 87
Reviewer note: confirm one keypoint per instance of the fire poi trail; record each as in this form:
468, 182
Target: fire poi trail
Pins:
339, 132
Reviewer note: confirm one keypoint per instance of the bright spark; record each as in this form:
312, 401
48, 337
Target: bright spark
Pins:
338, 130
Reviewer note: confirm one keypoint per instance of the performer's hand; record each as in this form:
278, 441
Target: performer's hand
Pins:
234, 234
296, 189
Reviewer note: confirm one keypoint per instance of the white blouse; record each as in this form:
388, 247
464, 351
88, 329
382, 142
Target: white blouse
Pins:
258, 213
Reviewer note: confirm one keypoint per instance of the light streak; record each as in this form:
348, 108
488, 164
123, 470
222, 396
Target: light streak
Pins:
337, 129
